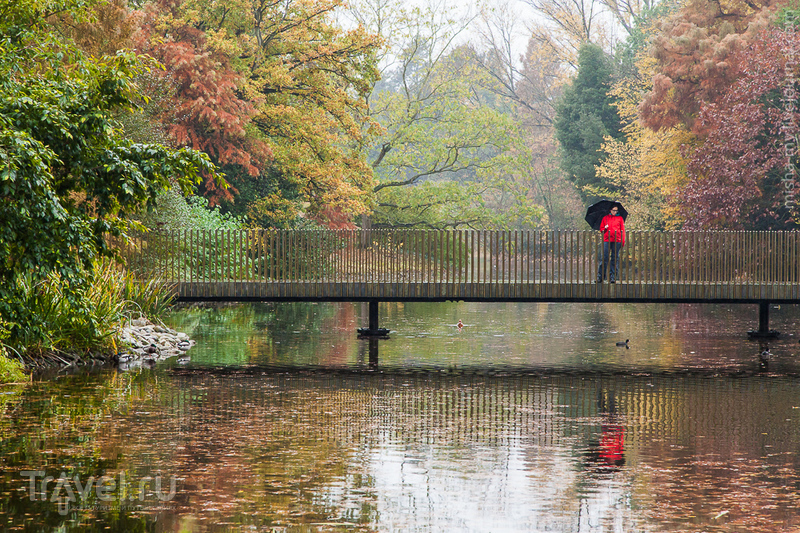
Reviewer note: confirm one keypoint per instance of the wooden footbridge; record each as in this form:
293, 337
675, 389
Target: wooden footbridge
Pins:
420, 265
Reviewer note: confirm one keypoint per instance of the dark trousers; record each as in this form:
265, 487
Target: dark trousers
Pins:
610, 262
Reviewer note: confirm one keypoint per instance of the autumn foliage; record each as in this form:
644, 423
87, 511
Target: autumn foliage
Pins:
684, 121
312, 79
274, 92
735, 174
693, 51
208, 112
713, 81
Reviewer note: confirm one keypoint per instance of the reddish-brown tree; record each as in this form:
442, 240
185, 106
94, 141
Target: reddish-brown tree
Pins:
209, 112
738, 173
693, 51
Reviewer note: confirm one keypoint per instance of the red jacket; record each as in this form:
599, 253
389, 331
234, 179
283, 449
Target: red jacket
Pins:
615, 231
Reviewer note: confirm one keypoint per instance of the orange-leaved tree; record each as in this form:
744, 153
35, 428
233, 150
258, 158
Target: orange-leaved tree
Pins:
743, 174
312, 78
209, 111
693, 52
275, 90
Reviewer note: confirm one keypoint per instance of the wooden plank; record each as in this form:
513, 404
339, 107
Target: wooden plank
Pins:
527, 249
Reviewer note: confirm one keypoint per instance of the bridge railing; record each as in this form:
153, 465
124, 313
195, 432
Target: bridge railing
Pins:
462, 256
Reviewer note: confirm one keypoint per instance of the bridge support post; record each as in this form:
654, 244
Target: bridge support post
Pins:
373, 330
373, 315
763, 331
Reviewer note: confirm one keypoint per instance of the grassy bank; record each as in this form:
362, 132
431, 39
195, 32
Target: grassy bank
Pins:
62, 331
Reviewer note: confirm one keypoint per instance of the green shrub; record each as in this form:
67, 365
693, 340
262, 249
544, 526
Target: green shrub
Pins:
174, 212
51, 321
11, 370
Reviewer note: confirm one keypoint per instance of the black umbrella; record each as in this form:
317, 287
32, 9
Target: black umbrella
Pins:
596, 212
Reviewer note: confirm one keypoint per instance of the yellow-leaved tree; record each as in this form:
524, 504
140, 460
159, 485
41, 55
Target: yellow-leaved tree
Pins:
646, 165
275, 91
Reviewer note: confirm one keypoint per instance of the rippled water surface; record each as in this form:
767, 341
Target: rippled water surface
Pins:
529, 418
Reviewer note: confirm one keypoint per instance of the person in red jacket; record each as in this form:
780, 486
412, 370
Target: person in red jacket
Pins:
613, 228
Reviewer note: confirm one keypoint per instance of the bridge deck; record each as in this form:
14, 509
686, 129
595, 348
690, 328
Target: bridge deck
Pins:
549, 291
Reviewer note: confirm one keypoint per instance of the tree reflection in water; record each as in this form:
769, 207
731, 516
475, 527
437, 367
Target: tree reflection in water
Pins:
382, 451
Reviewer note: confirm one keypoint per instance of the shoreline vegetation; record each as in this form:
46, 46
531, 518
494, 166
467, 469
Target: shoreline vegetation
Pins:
120, 321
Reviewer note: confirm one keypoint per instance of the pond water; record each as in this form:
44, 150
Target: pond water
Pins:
529, 418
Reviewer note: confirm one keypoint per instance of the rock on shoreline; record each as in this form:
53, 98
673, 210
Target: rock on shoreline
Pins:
141, 340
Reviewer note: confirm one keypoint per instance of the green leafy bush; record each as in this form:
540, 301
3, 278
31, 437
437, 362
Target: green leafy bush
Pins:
69, 178
57, 323
174, 212
11, 370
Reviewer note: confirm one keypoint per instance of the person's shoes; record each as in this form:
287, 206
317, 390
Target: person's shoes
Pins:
612, 281
598, 280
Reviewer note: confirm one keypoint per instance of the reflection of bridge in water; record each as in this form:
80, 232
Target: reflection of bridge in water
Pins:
557, 409
396, 445
413, 265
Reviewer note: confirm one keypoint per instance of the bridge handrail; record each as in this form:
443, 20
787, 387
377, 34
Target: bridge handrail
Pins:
462, 256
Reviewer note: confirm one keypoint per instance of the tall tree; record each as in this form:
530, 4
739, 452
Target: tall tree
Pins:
742, 176
585, 116
275, 90
692, 52
209, 112
530, 84
68, 177
441, 129
314, 78
442, 158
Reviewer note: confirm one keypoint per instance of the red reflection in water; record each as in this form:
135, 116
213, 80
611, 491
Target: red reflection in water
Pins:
612, 444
